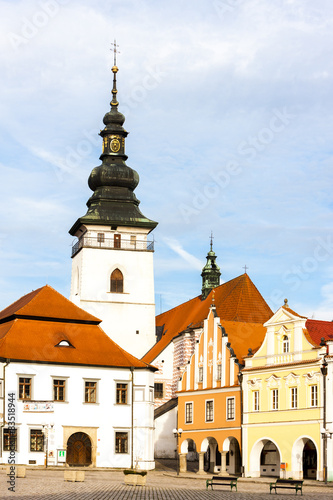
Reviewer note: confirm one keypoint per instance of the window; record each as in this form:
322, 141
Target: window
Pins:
314, 395
209, 411
230, 408
285, 344
133, 240
121, 397
219, 372
117, 281
200, 374
10, 439
100, 237
158, 388
59, 390
121, 442
256, 400
188, 413
117, 240
36, 440
24, 388
293, 397
275, 399
90, 392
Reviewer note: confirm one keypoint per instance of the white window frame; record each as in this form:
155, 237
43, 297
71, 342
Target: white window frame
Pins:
275, 399
188, 403
233, 407
285, 344
96, 380
293, 398
256, 401
209, 401
314, 389
58, 377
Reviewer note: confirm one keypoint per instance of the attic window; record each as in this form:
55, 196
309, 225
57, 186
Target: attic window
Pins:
64, 343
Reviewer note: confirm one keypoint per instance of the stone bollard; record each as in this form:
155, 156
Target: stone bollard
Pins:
20, 470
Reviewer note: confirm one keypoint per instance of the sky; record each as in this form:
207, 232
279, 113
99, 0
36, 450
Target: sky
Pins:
230, 112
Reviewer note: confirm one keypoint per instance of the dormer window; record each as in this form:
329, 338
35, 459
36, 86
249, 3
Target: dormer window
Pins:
64, 343
285, 344
117, 282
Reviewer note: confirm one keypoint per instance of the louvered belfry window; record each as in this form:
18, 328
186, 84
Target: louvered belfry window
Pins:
117, 281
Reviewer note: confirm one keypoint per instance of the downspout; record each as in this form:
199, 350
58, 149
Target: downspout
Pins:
132, 416
240, 379
3, 401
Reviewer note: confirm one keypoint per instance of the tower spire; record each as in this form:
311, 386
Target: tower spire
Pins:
210, 273
113, 202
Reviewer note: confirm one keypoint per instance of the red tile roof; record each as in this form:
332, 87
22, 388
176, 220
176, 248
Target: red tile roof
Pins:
237, 300
31, 339
46, 302
318, 329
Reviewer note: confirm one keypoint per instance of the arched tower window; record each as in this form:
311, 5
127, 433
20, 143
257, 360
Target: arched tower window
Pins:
117, 281
285, 344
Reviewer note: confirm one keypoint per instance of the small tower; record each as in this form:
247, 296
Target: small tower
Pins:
112, 259
210, 273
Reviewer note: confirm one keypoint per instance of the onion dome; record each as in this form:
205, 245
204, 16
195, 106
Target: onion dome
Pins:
113, 201
210, 273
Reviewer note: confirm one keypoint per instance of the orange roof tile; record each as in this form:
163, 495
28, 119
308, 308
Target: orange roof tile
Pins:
244, 335
45, 302
318, 329
287, 308
237, 300
30, 339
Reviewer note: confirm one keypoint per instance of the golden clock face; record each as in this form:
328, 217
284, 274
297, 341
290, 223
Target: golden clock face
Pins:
115, 145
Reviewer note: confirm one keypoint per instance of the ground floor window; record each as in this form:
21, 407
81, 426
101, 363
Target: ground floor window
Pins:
10, 439
121, 442
36, 440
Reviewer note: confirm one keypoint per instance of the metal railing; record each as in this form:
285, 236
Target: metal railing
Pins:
111, 243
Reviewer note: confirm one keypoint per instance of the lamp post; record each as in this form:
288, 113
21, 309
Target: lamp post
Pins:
46, 428
177, 433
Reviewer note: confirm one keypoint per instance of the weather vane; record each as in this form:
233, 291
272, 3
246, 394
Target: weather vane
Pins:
114, 48
211, 240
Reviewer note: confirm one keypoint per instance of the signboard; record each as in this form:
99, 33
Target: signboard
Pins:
61, 456
38, 406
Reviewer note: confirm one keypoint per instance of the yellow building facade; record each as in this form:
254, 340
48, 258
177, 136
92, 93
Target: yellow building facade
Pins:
283, 401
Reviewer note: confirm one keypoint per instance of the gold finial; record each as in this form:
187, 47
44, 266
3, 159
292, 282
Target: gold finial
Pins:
286, 303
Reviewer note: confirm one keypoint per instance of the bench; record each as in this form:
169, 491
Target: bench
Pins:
221, 481
292, 484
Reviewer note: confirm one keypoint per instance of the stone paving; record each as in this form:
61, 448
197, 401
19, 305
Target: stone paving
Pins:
161, 485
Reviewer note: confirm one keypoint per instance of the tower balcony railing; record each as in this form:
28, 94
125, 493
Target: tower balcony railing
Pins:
111, 243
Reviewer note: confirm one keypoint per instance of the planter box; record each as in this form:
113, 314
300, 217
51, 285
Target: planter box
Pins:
20, 470
74, 475
135, 479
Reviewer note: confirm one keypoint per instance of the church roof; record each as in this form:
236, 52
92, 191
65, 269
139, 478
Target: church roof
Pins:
238, 300
32, 328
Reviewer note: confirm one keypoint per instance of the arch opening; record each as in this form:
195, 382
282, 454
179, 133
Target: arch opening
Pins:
79, 450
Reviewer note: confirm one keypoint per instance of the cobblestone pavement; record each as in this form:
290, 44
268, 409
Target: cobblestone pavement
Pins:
108, 485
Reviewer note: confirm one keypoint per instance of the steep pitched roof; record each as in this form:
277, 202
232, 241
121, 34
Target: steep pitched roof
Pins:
26, 338
318, 329
238, 300
45, 302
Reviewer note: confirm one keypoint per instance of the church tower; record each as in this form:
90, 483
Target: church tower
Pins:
112, 259
210, 273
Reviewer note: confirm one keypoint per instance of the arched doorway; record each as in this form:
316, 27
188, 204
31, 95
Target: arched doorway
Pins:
309, 460
270, 460
79, 449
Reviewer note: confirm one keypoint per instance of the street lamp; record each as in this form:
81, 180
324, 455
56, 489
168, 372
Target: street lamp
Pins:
177, 433
46, 428
324, 433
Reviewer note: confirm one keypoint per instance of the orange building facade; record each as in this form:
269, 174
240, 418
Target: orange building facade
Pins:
209, 402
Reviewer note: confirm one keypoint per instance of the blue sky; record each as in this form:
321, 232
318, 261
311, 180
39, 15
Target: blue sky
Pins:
229, 108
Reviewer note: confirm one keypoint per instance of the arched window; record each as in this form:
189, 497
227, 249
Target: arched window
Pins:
117, 281
285, 343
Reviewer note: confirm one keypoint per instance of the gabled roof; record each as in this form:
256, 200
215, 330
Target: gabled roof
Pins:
25, 338
45, 302
238, 300
318, 329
